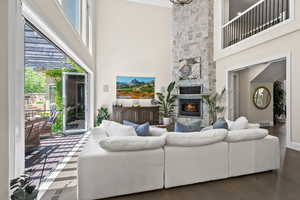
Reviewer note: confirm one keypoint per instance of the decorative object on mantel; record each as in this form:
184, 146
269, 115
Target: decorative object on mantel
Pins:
189, 69
166, 103
135, 87
136, 103
181, 2
214, 107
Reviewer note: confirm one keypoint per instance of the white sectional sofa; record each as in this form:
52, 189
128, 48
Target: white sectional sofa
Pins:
103, 174
186, 158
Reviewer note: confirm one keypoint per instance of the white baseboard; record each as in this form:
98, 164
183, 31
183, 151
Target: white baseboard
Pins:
294, 146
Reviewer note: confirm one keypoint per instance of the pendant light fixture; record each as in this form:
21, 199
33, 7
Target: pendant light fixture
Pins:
181, 2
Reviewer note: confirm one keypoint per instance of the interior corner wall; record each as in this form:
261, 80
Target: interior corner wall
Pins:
246, 92
4, 115
132, 40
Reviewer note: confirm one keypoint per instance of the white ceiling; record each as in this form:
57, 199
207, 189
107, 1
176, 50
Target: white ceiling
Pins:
161, 3
276, 71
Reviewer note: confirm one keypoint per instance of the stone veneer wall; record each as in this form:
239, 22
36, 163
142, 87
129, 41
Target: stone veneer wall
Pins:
193, 37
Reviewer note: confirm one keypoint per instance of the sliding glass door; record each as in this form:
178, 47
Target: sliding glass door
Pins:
74, 102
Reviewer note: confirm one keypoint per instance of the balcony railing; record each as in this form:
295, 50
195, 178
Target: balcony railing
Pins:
259, 17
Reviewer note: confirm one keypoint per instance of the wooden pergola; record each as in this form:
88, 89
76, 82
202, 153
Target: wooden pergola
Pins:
40, 53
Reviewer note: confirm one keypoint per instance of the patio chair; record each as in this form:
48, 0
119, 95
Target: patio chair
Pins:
32, 131
46, 130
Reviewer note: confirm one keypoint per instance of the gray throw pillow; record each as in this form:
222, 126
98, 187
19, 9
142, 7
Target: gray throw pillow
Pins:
220, 124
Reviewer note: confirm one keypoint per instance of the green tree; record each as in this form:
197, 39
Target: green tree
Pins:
35, 82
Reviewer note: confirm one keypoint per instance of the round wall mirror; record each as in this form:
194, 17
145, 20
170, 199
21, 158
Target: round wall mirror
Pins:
262, 98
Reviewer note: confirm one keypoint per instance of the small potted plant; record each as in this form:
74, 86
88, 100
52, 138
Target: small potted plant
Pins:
166, 102
103, 114
22, 189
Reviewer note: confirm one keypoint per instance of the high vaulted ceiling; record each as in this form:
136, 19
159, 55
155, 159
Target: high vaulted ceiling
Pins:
162, 3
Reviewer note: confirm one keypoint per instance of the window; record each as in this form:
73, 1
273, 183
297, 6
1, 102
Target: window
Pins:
72, 9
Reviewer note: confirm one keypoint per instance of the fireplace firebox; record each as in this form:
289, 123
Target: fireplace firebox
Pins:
190, 107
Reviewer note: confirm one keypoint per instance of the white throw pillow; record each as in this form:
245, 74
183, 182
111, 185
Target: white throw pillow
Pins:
114, 129
196, 138
134, 143
239, 124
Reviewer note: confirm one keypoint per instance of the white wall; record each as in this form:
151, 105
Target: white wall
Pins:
132, 40
4, 139
280, 41
283, 46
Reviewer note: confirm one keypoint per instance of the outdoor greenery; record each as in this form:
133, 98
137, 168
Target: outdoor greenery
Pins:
35, 82
213, 103
166, 101
56, 75
22, 188
103, 114
279, 100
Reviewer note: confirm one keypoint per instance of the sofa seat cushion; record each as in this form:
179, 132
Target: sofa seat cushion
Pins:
114, 129
196, 138
134, 143
246, 135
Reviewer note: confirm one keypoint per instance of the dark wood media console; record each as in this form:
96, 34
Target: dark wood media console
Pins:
137, 115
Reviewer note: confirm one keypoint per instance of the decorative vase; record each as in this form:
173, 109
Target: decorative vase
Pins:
166, 120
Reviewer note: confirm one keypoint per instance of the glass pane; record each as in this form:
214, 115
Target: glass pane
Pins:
75, 102
72, 11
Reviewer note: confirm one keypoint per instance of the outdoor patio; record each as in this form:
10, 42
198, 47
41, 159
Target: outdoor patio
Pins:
42, 160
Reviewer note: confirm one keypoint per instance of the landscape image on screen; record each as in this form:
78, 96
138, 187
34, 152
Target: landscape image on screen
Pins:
135, 87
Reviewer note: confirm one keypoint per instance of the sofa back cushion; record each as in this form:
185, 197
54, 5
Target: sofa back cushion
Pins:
246, 135
98, 133
140, 129
134, 143
196, 138
114, 129
194, 126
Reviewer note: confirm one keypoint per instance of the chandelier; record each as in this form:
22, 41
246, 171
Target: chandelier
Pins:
181, 2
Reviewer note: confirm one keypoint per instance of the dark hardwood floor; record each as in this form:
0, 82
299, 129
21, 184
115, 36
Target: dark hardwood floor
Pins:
283, 184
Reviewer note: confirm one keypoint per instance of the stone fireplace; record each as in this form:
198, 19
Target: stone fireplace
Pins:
193, 38
190, 107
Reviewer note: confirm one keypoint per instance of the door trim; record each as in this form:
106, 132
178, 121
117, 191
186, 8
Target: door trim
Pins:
64, 75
